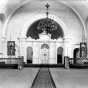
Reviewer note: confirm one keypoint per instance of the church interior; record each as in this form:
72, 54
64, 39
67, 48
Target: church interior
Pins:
44, 33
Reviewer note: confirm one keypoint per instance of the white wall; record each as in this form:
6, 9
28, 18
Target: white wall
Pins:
22, 19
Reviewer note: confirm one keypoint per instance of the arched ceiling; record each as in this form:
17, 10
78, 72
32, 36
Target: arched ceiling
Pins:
32, 11
37, 5
81, 6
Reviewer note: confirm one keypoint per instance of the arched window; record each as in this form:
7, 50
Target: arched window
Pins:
45, 46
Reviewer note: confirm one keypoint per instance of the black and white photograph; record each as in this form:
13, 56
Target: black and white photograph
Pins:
43, 43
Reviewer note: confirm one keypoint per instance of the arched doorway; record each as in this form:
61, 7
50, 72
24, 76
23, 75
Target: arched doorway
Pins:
59, 55
76, 54
44, 54
29, 54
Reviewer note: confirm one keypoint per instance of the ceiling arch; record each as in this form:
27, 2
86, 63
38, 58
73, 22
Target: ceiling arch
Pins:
86, 23
48, 25
22, 6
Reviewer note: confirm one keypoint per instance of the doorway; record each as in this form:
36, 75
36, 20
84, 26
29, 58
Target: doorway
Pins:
44, 54
59, 55
29, 54
76, 54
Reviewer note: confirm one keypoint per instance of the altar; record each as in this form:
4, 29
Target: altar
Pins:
41, 51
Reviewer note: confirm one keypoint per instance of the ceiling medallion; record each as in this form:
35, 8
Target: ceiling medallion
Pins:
47, 24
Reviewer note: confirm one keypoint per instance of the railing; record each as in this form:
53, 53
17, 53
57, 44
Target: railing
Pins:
11, 60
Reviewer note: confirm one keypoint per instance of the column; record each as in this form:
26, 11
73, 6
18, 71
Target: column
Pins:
52, 53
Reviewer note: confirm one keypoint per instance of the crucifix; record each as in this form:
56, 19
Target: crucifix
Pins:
47, 8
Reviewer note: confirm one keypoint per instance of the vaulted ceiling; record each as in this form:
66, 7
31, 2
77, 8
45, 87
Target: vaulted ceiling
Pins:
81, 6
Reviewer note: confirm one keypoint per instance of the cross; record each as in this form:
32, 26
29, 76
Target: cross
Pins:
47, 8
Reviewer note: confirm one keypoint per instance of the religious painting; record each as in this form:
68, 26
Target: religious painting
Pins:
83, 49
11, 48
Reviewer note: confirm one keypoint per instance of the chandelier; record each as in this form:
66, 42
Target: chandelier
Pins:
47, 25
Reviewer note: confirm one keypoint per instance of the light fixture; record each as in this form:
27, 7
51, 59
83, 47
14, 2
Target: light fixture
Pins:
47, 24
